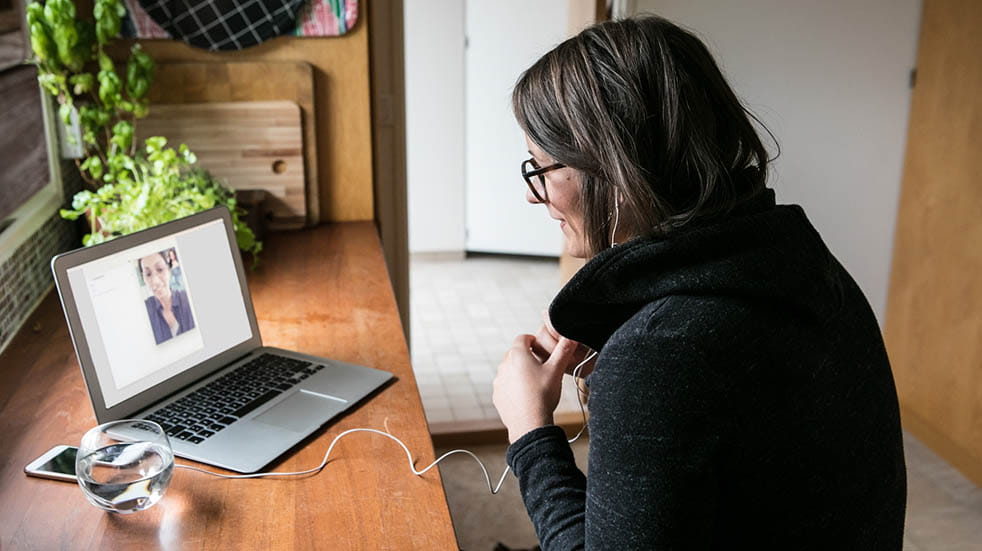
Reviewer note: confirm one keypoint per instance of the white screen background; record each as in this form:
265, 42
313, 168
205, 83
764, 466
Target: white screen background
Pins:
114, 318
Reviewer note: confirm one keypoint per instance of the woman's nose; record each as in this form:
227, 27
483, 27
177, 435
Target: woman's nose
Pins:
531, 198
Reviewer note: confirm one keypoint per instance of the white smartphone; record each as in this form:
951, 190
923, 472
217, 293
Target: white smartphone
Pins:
58, 463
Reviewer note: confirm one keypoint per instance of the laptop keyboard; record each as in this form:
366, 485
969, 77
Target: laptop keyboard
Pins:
225, 400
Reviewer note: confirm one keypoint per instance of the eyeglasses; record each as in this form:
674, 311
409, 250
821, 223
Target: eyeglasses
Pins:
533, 175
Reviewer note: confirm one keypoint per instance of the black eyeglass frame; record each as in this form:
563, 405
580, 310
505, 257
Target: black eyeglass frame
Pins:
537, 171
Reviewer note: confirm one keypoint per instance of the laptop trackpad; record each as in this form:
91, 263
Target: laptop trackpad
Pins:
301, 411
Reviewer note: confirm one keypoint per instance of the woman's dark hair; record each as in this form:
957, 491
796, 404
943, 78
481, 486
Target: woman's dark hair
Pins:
165, 254
639, 106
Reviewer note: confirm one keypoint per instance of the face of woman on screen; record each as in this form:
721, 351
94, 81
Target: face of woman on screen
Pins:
156, 275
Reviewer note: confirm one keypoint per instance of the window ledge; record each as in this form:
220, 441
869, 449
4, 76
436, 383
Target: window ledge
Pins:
31, 215
28, 219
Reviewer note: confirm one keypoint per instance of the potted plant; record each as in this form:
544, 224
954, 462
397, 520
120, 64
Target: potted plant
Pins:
128, 187
161, 185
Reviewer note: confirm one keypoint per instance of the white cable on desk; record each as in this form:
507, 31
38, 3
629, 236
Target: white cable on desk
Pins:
409, 457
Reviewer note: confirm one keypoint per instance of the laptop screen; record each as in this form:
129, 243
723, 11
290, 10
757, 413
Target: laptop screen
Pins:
159, 308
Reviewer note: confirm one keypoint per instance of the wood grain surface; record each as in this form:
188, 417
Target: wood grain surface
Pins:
244, 81
341, 106
933, 327
322, 291
246, 145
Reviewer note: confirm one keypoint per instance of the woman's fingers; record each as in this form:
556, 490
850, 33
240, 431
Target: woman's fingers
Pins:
523, 342
544, 343
547, 325
562, 355
546, 340
525, 394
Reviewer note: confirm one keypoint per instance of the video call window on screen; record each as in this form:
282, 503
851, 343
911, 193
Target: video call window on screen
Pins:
166, 294
154, 310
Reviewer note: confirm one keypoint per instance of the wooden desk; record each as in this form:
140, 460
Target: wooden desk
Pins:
323, 291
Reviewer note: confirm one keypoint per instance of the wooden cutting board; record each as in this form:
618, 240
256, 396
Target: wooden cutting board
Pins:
246, 145
213, 81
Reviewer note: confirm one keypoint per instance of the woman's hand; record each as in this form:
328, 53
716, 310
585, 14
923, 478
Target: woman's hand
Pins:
527, 389
545, 342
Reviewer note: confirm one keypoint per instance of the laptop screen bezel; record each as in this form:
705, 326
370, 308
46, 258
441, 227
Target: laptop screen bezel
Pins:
61, 264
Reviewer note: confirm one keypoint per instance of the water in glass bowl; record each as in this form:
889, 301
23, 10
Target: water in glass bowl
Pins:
126, 477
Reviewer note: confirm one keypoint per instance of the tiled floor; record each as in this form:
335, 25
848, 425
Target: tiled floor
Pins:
465, 313
944, 509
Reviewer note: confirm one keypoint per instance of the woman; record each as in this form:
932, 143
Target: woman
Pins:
168, 308
742, 396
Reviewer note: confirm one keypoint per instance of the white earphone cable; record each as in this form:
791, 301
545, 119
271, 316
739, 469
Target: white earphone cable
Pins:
617, 218
409, 457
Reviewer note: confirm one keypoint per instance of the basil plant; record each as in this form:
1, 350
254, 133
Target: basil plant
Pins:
128, 187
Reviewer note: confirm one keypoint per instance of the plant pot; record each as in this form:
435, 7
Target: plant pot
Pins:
253, 201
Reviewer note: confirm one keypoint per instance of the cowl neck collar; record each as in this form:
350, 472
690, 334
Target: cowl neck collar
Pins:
760, 251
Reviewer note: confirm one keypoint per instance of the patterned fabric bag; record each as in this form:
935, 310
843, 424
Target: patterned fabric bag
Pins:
316, 18
224, 24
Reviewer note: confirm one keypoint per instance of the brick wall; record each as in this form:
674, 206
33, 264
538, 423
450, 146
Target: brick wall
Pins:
26, 277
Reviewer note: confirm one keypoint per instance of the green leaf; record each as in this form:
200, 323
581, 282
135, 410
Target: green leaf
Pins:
66, 37
155, 143
106, 63
94, 166
142, 59
49, 82
154, 188
69, 214
187, 155
83, 83
65, 113
140, 109
67, 7
122, 135
82, 52
51, 13
106, 193
138, 88
82, 199
244, 237
109, 88
42, 44
35, 12
139, 73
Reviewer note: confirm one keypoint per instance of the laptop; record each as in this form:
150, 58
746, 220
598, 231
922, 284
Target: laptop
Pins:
164, 330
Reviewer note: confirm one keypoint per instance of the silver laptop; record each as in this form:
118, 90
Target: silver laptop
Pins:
164, 329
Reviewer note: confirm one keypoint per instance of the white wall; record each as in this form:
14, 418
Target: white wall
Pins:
501, 47
830, 80
434, 32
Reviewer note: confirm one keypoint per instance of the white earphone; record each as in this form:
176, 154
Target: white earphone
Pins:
617, 217
409, 456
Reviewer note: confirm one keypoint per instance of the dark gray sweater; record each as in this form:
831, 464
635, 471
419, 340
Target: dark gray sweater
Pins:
742, 398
